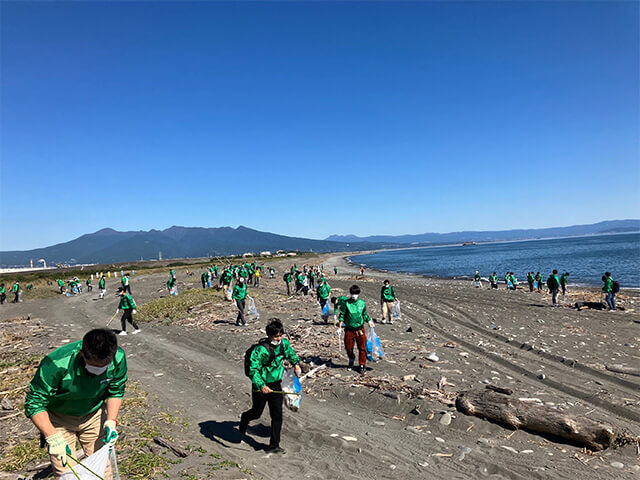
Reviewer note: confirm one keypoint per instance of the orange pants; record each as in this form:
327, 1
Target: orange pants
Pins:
358, 337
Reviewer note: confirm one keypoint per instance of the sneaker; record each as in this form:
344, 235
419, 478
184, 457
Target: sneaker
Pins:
271, 449
137, 330
363, 370
350, 367
123, 332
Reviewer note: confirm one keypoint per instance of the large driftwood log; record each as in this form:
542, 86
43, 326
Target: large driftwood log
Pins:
180, 452
623, 369
513, 413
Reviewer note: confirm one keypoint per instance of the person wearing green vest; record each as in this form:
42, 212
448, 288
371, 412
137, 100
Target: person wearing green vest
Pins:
240, 295
477, 279
335, 270
203, 278
61, 286
128, 307
554, 287
608, 289
312, 278
125, 284
387, 298
563, 283
288, 277
89, 286
323, 291
302, 283
538, 278
493, 280
171, 286
530, 280
75, 396
16, 291
265, 371
3, 295
102, 285
353, 315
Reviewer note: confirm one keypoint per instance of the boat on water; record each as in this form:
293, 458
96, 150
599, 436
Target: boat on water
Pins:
468, 243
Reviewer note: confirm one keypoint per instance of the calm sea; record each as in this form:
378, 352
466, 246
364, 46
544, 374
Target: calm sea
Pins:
586, 258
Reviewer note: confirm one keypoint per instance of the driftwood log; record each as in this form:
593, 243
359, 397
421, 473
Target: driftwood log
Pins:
623, 369
180, 452
513, 413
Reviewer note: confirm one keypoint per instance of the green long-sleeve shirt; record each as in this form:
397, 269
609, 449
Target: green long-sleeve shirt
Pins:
15, 288
60, 283
239, 291
608, 285
63, 385
261, 371
323, 290
493, 279
126, 302
387, 294
563, 281
101, 283
353, 313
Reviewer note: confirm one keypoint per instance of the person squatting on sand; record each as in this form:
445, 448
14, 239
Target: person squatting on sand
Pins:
128, 307
84, 407
265, 371
353, 314
387, 297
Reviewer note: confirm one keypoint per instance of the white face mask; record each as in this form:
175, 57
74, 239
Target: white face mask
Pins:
275, 343
355, 297
95, 370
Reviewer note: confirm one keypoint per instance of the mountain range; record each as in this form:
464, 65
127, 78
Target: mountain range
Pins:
111, 246
610, 226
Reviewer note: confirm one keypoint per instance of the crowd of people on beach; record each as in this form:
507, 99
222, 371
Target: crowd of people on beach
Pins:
86, 408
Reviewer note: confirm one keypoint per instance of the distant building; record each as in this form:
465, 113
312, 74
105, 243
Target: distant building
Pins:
291, 254
266, 253
248, 254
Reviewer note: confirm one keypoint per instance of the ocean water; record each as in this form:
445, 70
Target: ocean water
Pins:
585, 258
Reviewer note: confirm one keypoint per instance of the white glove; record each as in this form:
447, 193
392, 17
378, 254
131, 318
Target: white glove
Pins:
371, 324
297, 370
117, 310
134, 311
110, 433
58, 447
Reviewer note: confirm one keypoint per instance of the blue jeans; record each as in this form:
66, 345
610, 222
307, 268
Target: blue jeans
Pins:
611, 300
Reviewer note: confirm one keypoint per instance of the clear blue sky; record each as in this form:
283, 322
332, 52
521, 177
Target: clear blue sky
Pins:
311, 119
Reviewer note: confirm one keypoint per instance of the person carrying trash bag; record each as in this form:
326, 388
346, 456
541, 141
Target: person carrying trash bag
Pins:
387, 299
76, 394
264, 362
240, 295
323, 291
353, 315
128, 307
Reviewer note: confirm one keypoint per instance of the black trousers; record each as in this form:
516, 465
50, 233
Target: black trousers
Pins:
3, 297
240, 318
128, 316
288, 288
258, 402
127, 289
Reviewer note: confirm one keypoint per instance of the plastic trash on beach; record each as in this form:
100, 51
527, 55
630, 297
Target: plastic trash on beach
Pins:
396, 311
326, 310
291, 383
94, 463
253, 311
374, 347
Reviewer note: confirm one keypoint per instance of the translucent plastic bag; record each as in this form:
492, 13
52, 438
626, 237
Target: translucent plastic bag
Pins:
396, 311
94, 463
326, 310
291, 383
252, 310
374, 347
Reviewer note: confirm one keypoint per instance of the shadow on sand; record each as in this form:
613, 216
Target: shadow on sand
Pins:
226, 433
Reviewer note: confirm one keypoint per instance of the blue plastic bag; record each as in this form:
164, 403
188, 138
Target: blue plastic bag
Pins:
374, 347
326, 310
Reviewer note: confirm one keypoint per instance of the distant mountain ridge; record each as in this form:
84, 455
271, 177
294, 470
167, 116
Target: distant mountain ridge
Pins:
109, 246
609, 226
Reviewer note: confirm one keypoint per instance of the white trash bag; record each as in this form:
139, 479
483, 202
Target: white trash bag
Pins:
252, 310
96, 463
395, 313
291, 383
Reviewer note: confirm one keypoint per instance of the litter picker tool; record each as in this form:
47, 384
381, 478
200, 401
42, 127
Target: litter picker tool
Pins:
111, 320
83, 466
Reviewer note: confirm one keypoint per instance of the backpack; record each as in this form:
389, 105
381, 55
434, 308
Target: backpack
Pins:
551, 283
285, 276
615, 287
247, 355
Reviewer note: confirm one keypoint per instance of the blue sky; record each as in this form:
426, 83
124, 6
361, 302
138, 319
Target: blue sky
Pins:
312, 119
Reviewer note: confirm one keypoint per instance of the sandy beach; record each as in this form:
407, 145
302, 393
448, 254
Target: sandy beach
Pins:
375, 426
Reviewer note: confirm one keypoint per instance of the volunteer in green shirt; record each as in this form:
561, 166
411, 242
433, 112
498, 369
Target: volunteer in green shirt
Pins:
265, 370
564, 281
610, 296
102, 285
128, 307
125, 283
323, 291
530, 280
554, 287
287, 279
239, 295
16, 291
493, 279
203, 278
171, 286
89, 286
76, 394
387, 297
61, 285
3, 295
353, 315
